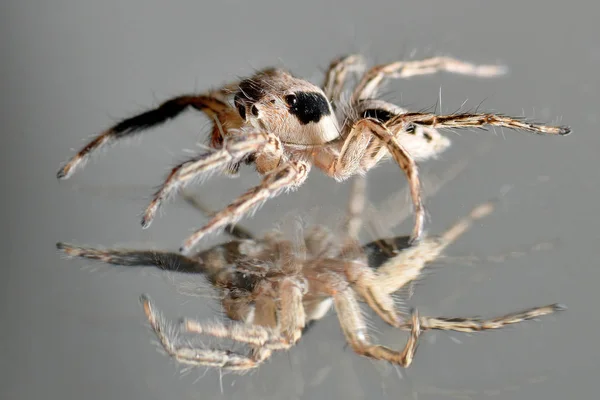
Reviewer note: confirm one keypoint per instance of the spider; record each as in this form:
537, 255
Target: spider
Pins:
273, 289
285, 125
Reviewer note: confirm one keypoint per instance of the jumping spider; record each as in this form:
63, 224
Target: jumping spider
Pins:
273, 288
284, 125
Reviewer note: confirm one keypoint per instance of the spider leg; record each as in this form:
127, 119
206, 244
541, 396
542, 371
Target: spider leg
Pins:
213, 104
235, 148
406, 264
261, 333
353, 152
356, 333
335, 78
473, 120
235, 231
262, 338
212, 263
187, 354
418, 324
477, 324
381, 218
356, 206
255, 335
287, 176
373, 78
164, 260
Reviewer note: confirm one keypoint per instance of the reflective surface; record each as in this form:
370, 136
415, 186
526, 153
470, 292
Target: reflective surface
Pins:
73, 329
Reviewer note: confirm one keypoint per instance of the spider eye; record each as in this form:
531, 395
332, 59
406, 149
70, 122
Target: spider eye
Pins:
427, 136
242, 111
254, 111
410, 128
291, 100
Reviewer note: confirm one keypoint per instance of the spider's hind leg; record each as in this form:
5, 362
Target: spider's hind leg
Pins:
164, 260
214, 104
289, 175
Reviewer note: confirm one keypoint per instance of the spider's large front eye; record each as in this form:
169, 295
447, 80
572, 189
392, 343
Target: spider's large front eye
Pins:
254, 110
291, 100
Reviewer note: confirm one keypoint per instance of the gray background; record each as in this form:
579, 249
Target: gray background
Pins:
73, 329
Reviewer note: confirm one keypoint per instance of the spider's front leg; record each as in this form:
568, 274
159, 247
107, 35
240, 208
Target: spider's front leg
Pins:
188, 354
354, 152
269, 332
214, 104
235, 148
235, 231
289, 175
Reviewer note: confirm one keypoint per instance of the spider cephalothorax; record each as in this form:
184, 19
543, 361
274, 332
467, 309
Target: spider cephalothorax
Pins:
273, 288
286, 125
295, 110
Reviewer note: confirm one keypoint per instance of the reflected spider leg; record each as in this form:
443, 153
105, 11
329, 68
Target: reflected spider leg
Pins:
356, 332
224, 359
476, 324
405, 264
263, 338
396, 266
234, 230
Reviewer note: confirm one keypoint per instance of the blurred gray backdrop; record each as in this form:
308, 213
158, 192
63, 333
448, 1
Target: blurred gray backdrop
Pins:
74, 329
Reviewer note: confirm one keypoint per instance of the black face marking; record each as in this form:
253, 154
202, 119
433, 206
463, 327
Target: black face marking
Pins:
308, 106
379, 114
427, 136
